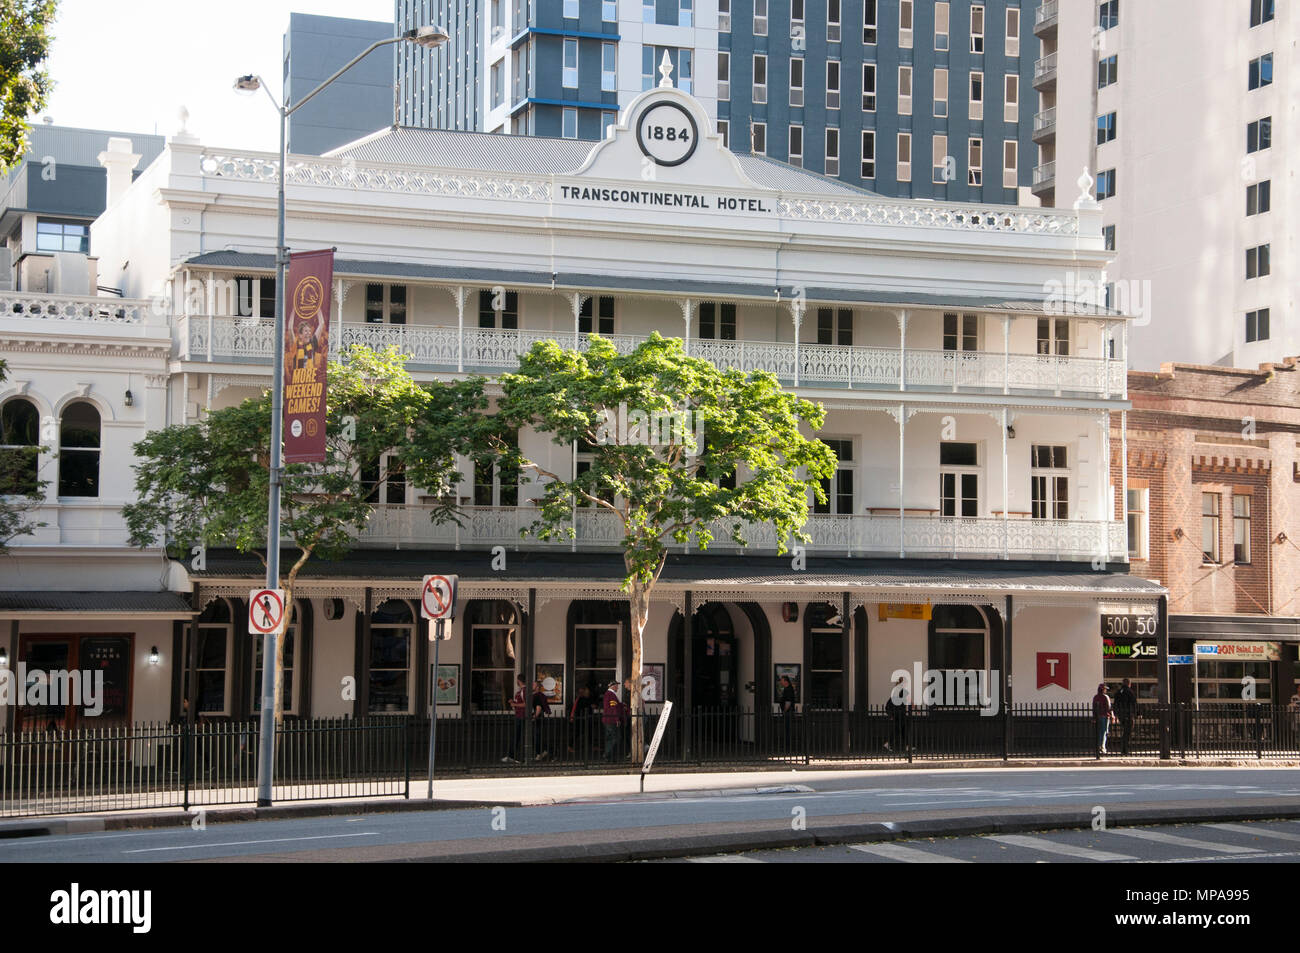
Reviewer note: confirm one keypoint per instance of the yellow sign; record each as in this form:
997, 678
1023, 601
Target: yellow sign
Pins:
904, 610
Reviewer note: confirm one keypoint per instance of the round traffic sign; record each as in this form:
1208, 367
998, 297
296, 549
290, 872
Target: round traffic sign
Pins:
437, 597
265, 611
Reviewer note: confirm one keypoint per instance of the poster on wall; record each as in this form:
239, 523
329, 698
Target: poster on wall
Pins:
448, 682
790, 669
112, 656
652, 682
306, 347
551, 676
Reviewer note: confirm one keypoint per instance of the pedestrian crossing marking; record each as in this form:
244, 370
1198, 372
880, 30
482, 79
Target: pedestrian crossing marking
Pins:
1255, 831
1052, 847
1173, 839
906, 855
726, 859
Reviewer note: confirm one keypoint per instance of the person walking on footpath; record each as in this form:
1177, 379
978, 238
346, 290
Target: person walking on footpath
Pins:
1125, 710
897, 706
1104, 713
541, 708
520, 704
611, 717
788, 701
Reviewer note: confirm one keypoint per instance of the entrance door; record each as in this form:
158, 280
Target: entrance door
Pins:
714, 661
86, 681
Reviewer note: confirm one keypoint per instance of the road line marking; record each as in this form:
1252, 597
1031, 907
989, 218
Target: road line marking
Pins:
1051, 847
1254, 831
1219, 858
726, 859
242, 843
906, 855
1159, 837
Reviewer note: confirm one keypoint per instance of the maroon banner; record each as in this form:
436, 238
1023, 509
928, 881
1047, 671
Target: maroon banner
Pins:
306, 347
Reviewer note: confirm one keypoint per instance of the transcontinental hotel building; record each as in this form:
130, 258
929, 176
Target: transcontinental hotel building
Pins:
974, 521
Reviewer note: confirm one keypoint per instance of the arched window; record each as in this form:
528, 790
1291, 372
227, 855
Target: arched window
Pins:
597, 635
958, 642
216, 637
19, 441
392, 628
287, 644
79, 450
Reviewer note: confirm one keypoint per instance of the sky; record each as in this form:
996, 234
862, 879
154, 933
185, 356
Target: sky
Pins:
130, 65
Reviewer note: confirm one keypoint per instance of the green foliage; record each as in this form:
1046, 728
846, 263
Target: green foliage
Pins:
207, 483
24, 44
665, 487
20, 490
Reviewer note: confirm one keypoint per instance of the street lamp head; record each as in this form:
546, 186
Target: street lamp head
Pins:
429, 37
248, 84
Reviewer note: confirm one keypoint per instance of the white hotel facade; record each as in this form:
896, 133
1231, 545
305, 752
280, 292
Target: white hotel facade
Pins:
972, 425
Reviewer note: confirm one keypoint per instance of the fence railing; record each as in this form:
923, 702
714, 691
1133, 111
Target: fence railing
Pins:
158, 765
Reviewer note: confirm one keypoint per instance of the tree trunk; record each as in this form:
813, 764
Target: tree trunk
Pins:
639, 597
279, 656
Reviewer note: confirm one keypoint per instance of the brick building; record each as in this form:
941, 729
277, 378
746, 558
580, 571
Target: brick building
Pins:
1212, 496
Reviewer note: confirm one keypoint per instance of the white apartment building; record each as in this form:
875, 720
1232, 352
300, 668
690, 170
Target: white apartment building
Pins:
1184, 112
977, 485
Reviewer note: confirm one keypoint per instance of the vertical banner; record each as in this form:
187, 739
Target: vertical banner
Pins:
306, 348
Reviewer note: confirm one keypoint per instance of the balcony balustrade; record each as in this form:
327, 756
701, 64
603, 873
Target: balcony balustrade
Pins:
881, 534
488, 350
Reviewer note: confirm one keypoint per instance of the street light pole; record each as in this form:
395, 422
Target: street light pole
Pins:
429, 37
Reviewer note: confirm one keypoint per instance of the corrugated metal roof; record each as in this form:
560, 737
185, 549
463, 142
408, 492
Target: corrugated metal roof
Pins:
83, 146
170, 604
636, 282
538, 155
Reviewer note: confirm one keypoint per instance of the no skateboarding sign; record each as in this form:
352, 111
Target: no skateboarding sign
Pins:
438, 597
266, 612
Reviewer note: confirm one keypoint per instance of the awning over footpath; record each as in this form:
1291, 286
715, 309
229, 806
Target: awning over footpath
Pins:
722, 577
1220, 627
95, 605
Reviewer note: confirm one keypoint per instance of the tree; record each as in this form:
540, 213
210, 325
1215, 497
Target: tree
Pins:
677, 449
21, 489
206, 484
24, 44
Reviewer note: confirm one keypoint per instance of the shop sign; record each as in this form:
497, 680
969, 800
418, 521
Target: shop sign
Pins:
904, 610
1128, 649
1246, 651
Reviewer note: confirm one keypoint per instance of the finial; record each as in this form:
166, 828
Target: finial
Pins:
1085, 199
183, 115
666, 71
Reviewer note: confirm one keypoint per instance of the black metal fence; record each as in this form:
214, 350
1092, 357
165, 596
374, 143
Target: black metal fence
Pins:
174, 765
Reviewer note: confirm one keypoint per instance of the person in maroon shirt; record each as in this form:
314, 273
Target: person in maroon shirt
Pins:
611, 716
520, 704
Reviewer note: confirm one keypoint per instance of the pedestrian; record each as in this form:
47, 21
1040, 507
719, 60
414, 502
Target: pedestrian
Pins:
580, 720
1104, 713
520, 704
541, 708
788, 702
1125, 710
611, 717
897, 708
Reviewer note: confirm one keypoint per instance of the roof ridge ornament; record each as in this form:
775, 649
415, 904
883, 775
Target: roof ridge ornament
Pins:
666, 71
1085, 199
